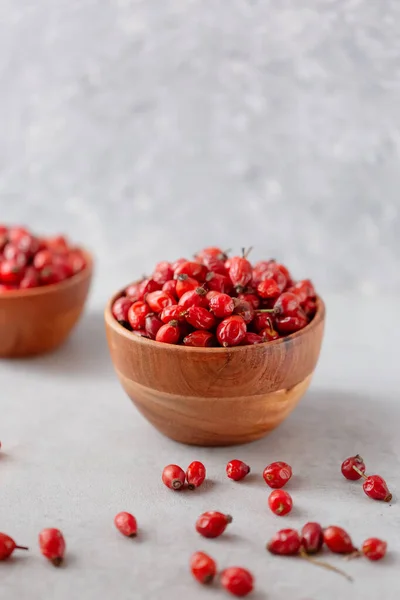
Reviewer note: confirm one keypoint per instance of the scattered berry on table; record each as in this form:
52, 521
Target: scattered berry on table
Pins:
203, 567
374, 548
212, 524
52, 545
280, 502
285, 542
238, 581
126, 524
195, 474
7, 546
237, 469
348, 469
338, 540
312, 538
277, 474
376, 488
173, 477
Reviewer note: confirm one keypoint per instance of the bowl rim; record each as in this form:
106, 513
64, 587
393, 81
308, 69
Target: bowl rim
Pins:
120, 330
53, 287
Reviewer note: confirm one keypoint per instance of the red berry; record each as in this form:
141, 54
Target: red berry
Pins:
7, 546
221, 305
261, 321
277, 474
199, 339
178, 262
212, 524
30, 280
278, 273
126, 524
211, 252
268, 288
304, 290
170, 287
215, 265
200, 318
338, 540
195, 474
146, 287
133, 291
11, 271
163, 272
237, 581
12, 252
310, 308
291, 324
375, 487
137, 314
269, 334
251, 299
158, 300
252, 338
184, 284
237, 470
173, 313
374, 548
219, 283
231, 331
280, 502
44, 258
285, 542
312, 538
52, 274
195, 297
287, 305
120, 309
203, 567
173, 477
169, 333
52, 545
244, 309
152, 325
349, 463
192, 269
240, 272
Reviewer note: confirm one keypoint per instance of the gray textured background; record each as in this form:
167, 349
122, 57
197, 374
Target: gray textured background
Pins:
151, 127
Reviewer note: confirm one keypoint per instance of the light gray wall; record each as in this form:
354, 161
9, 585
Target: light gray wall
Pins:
149, 128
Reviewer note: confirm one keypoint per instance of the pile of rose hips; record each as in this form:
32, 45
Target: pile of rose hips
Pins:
214, 300
28, 261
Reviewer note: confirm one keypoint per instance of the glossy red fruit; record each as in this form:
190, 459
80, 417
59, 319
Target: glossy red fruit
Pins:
12, 252
137, 314
52, 545
203, 567
184, 284
120, 309
374, 548
52, 274
268, 288
42, 259
211, 252
280, 502
173, 313
250, 339
215, 265
240, 272
195, 474
132, 291
231, 331
192, 269
252, 299
173, 477
199, 339
158, 300
277, 273
221, 305
304, 290
287, 305
200, 318
237, 469
347, 467
7, 546
146, 287
212, 524
376, 488
170, 288
30, 279
285, 542
126, 524
244, 309
219, 283
195, 297
269, 334
338, 540
163, 272
312, 538
291, 324
11, 272
277, 474
169, 333
152, 324
261, 321
310, 308
238, 581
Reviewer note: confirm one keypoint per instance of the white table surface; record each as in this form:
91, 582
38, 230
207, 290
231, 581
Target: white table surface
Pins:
75, 452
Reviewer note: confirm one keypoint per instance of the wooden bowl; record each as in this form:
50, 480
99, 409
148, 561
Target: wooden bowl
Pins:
37, 320
215, 396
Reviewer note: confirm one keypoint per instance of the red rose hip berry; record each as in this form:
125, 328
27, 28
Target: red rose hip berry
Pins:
277, 474
338, 540
374, 548
52, 545
195, 474
212, 524
126, 524
222, 305
237, 470
231, 331
238, 581
199, 339
137, 314
169, 333
348, 469
312, 538
173, 477
7, 546
376, 488
280, 502
203, 567
285, 542
120, 309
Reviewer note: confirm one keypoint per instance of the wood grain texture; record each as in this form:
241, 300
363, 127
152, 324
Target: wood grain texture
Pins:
40, 319
215, 396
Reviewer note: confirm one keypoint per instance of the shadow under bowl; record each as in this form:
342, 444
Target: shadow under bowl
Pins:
215, 396
38, 320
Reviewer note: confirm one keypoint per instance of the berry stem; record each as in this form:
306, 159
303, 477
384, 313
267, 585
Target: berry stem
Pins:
355, 554
21, 547
324, 565
357, 470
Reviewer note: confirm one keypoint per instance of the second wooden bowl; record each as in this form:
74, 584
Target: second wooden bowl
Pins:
38, 320
215, 396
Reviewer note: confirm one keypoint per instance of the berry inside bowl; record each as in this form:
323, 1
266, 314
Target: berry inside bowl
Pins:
231, 392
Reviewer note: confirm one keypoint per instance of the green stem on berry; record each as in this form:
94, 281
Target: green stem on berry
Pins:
324, 565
